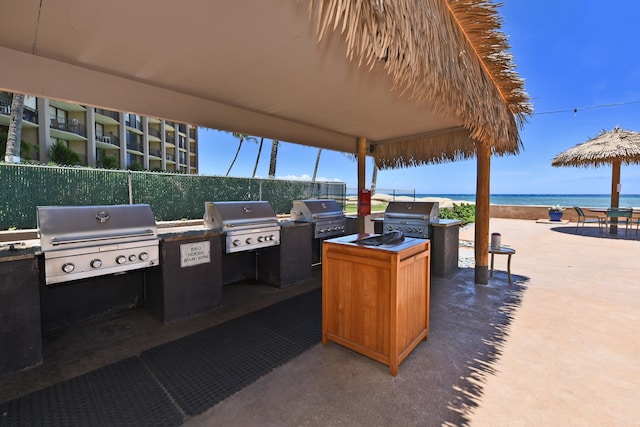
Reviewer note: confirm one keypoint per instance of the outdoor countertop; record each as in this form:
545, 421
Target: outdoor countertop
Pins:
445, 222
19, 249
351, 240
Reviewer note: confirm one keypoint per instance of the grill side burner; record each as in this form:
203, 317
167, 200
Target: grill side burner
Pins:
412, 218
80, 242
247, 225
325, 214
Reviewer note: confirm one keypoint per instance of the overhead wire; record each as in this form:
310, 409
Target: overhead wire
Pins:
575, 110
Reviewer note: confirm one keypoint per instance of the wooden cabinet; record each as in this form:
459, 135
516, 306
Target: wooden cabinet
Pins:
375, 299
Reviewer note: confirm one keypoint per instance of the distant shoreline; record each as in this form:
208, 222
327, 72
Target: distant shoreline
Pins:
567, 200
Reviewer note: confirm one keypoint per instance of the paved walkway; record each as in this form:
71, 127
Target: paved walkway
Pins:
566, 352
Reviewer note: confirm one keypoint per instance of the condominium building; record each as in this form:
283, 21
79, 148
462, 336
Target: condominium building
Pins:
137, 142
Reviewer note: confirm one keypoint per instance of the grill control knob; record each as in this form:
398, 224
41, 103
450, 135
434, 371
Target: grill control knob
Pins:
236, 242
68, 267
143, 256
95, 263
133, 258
121, 259
262, 239
249, 240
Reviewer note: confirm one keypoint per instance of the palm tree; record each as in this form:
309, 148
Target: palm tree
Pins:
374, 177
12, 153
255, 168
242, 137
315, 173
273, 158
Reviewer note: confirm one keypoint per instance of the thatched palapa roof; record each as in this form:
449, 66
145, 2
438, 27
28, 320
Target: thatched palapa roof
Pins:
449, 54
423, 81
617, 145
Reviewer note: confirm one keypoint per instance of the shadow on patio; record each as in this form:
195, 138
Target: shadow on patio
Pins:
439, 383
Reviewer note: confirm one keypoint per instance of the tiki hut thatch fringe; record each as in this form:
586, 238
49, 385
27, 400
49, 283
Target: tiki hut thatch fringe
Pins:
425, 44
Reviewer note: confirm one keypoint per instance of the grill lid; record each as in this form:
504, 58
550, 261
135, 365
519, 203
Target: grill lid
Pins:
229, 215
423, 211
315, 210
65, 227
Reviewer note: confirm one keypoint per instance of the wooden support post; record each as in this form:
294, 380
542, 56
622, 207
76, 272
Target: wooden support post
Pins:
362, 158
483, 175
615, 193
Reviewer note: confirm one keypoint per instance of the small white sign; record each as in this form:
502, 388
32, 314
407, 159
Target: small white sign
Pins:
195, 253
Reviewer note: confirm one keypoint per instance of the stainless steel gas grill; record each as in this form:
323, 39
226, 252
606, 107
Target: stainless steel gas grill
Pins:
327, 218
79, 242
412, 218
247, 225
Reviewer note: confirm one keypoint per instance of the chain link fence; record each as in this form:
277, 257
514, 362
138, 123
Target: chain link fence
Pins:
171, 196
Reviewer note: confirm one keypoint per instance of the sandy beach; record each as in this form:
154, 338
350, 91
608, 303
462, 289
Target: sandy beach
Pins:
381, 199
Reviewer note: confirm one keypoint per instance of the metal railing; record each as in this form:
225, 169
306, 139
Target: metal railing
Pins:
113, 114
73, 127
155, 132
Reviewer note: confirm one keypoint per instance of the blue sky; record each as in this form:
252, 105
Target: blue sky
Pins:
573, 54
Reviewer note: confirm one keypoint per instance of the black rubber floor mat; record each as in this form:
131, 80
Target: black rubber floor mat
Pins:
204, 368
124, 393
187, 376
127, 394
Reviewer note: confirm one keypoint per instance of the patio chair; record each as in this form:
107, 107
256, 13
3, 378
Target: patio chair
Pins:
588, 219
622, 215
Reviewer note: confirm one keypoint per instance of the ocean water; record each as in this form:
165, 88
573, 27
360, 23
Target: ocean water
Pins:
567, 200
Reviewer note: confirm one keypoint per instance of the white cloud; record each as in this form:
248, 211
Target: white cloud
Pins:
306, 177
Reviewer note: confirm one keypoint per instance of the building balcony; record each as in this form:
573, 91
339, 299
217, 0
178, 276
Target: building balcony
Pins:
108, 113
135, 146
74, 127
155, 132
136, 124
171, 158
155, 153
109, 140
28, 115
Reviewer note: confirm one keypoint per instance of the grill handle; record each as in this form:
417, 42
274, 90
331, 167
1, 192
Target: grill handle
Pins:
57, 241
390, 215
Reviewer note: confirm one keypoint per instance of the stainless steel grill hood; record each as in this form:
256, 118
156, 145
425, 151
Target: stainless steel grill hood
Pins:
80, 242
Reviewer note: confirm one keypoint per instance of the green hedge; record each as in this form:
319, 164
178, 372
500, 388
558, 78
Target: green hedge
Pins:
464, 212
171, 196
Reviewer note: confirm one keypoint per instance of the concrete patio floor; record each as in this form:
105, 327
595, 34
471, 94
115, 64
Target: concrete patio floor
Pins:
559, 346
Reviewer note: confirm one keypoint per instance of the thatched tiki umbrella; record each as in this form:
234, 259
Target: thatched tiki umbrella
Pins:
444, 53
614, 147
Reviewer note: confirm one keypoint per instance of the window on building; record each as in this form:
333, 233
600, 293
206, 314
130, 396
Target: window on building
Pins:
57, 115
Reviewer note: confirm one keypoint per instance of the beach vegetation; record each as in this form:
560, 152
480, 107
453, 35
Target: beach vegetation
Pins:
464, 212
